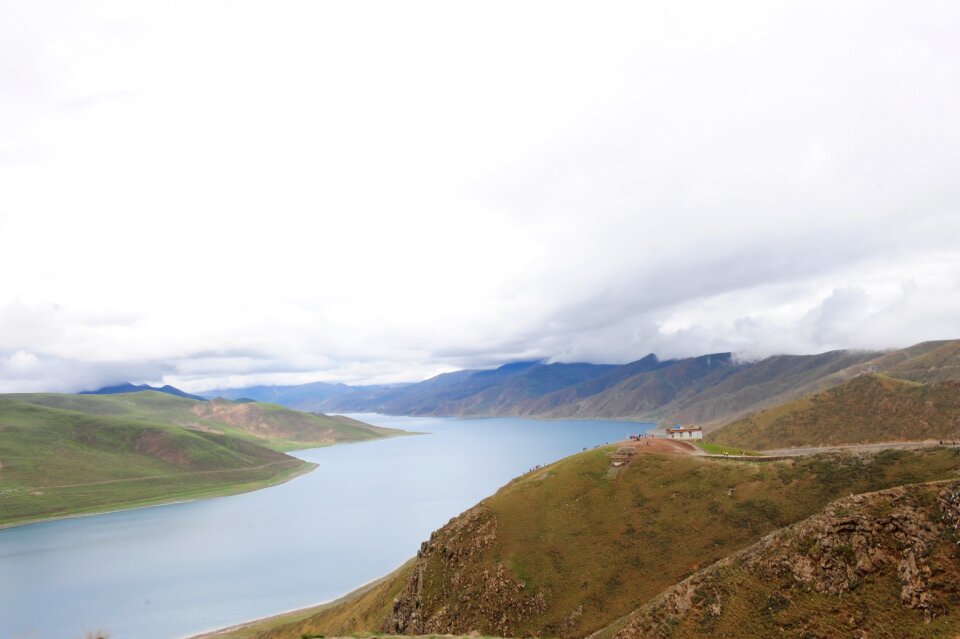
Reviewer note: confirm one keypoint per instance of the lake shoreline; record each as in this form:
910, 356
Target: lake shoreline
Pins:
296, 614
229, 566
283, 478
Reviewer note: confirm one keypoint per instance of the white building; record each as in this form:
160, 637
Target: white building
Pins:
685, 432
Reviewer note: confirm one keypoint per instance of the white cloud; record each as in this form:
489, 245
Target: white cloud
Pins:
378, 191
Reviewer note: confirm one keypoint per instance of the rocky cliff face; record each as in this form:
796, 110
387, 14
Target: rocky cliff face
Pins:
878, 565
450, 593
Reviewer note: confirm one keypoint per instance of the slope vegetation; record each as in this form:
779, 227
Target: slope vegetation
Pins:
56, 462
878, 565
868, 408
566, 549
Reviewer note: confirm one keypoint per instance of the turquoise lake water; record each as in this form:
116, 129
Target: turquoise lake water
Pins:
171, 571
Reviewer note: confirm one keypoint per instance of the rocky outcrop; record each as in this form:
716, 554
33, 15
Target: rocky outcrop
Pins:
451, 592
908, 535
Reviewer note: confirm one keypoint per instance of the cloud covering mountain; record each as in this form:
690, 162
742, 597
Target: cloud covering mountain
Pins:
237, 193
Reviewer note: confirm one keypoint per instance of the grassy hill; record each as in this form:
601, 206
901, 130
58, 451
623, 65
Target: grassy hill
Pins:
269, 424
56, 462
878, 565
868, 408
67, 454
567, 549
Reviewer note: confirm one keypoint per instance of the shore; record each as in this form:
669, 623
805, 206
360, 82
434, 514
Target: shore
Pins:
247, 629
224, 491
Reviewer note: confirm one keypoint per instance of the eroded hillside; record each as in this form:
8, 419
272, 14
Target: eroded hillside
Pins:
879, 565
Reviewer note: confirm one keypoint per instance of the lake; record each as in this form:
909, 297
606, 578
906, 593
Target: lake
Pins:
172, 571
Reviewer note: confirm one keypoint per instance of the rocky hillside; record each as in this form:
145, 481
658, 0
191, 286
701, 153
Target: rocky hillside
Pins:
868, 408
567, 549
884, 564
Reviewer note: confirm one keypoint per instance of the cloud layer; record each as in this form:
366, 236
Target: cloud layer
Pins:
228, 192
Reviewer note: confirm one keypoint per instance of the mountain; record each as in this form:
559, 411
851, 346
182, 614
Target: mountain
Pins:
710, 389
59, 462
867, 408
130, 388
570, 548
877, 565
274, 426
306, 397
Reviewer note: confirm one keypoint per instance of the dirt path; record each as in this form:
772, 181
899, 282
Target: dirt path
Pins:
660, 445
814, 450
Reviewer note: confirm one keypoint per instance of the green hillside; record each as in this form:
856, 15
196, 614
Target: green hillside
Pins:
269, 424
879, 565
567, 549
868, 408
56, 462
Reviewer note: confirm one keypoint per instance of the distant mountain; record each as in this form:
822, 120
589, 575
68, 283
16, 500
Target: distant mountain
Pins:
131, 388
710, 389
470, 392
868, 408
306, 397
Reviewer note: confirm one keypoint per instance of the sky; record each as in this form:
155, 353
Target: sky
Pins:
218, 193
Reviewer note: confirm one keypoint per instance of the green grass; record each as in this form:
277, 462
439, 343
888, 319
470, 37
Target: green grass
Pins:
717, 449
58, 462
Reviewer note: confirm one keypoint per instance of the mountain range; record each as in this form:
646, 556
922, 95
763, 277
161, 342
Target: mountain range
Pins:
710, 389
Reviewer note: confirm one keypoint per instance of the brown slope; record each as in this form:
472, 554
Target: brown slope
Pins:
868, 408
877, 565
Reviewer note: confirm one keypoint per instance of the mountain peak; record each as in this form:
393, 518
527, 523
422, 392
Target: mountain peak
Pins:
133, 388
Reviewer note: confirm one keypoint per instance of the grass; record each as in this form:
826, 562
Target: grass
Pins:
581, 538
58, 462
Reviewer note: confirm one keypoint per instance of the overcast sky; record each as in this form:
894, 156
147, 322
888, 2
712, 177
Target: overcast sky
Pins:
219, 193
